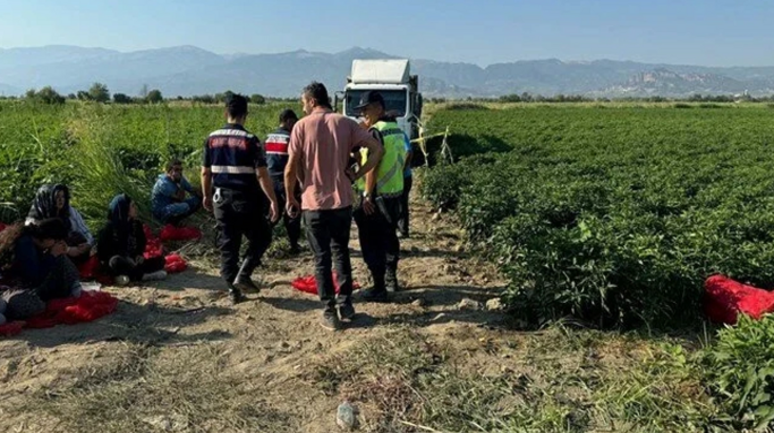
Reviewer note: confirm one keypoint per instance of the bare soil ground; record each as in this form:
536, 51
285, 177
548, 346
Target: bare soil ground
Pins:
177, 356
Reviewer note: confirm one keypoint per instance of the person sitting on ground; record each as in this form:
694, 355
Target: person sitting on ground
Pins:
53, 201
34, 258
121, 245
168, 199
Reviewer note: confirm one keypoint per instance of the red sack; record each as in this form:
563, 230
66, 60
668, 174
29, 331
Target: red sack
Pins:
175, 264
148, 232
11, 328
88, 269
88, 307
172, 233
41, 322
726, 298
307, 284
56, 305
3, 226
153, 247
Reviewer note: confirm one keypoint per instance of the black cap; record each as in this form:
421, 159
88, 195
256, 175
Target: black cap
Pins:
370, 97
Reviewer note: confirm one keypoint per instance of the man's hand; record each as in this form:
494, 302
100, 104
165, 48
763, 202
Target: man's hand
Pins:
180, 195
207, 203
368, 205
58, 249
292, 207
79, 250
84, 248
274, 212
351, 175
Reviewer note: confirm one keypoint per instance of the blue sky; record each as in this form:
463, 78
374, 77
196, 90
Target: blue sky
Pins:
708, 32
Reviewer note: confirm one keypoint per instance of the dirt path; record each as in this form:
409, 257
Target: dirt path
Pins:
177, 357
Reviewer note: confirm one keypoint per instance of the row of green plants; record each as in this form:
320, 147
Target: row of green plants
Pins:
615, 217
101, 150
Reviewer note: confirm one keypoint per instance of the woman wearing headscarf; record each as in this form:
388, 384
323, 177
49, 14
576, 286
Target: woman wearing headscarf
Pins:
34, 258
122, 243
53, 201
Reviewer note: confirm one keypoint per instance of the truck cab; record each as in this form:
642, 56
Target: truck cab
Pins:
397, 86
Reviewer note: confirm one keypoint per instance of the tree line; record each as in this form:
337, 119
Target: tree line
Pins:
100, 93
528, 97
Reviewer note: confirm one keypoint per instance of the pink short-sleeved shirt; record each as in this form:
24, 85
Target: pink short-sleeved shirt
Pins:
323, 142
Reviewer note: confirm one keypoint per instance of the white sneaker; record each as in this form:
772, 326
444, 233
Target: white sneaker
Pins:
155, 276
122, 280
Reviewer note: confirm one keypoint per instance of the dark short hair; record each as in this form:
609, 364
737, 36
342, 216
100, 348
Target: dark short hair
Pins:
319, 93
174, 162
236, 105
287, 114
50, 228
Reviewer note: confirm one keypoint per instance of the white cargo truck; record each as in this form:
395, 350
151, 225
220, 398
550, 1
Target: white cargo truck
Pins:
393, 79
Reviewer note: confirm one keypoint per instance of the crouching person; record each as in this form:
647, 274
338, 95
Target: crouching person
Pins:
122, 244
35, 258
168, 199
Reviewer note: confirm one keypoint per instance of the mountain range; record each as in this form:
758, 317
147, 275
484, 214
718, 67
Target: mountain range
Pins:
188, 70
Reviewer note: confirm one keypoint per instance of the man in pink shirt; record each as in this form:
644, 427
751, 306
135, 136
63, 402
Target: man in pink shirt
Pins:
321, 146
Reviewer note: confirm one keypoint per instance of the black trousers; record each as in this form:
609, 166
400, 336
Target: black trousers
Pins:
403, 221
240, 214
60, 281
120, 265
292, 225
378, 236
328, 234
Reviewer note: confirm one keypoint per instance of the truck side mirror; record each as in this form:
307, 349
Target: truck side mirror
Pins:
337, 96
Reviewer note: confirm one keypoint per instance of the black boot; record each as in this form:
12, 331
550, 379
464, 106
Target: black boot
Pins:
377, 293
235, 295
295, 249
391, 281
243, 282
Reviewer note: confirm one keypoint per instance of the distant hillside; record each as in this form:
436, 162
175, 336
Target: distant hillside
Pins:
188, 70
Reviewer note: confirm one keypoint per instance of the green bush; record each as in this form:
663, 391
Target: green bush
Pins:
443, 186
740, 371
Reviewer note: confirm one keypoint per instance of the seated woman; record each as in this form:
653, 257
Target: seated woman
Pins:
122, 243
34, 257
53, 201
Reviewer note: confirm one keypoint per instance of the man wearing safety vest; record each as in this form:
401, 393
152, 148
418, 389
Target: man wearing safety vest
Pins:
379, 207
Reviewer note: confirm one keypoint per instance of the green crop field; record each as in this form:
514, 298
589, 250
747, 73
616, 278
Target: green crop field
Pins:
101, 150
613, 215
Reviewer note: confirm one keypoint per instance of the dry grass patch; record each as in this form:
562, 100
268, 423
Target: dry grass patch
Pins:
145, 389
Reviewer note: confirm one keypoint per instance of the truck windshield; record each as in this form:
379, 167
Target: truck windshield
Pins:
394, 100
